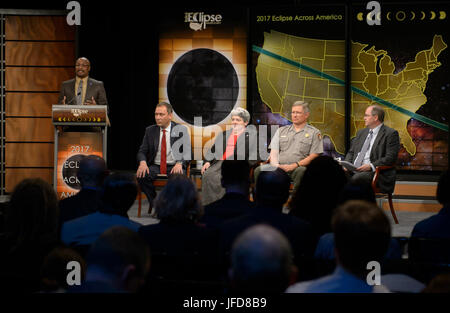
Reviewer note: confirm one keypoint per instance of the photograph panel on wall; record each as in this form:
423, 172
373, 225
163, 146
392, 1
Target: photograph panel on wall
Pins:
402, 64
203, 68
298, 53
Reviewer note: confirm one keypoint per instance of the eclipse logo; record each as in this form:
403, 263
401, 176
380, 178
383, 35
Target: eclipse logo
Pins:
199, 20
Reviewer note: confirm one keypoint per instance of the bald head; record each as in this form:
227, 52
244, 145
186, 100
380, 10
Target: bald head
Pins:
261, 260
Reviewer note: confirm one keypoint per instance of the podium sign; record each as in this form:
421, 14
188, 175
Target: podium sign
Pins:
82, 139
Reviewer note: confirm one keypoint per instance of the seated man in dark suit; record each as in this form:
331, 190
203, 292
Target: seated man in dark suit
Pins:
374, 146
235, 180
437, 226
91, 173
165, 149
272, 191
82, 90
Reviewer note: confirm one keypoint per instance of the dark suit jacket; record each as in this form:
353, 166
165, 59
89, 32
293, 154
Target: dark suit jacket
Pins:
150, 144
85, 202
182, 250
246, 147
299, 233
384, 152
231, 205
436, 226
95, 88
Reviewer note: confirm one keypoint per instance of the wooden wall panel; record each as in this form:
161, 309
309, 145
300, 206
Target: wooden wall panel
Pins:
29, 129
30, 104
36, 79
40, 53
38, 28
29, 154
14, 176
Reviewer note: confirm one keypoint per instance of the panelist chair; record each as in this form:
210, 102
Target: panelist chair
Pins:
160, 182
378, 192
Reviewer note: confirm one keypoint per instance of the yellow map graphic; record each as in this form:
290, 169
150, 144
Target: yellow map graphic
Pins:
281, 84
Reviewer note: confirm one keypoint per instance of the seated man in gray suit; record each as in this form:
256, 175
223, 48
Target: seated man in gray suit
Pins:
82, 90
373, 146
165, 149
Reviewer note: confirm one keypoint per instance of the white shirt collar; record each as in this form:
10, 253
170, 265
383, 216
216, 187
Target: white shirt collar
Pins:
376, 129
167, 128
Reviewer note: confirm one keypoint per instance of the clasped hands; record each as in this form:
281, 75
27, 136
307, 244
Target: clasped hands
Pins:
144, 170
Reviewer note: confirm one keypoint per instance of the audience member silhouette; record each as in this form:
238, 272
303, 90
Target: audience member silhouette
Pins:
318, 193
439, 284
362, 232
118, 261
91, 173
261, 262
31, 224
118, 195
353, 191
54, 270
272, 191
437, 226
235, 202
181, 248
356, 191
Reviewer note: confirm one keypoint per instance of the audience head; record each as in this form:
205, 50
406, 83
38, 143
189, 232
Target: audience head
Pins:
362, 234
357, 191
261, 261
119, 192
120, 257
318, 193
92, 171
272, 188
439, 284
54, 269
235, 173
32, 214
442, 193
179, 201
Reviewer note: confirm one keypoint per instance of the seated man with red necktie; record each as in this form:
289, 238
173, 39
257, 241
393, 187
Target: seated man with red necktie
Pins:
165, 149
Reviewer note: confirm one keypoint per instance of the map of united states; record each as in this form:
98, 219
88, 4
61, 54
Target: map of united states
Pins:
294, 68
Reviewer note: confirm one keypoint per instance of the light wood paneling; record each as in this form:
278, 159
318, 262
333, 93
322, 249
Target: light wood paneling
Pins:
415, 190
412, 207
36, 79
29, 154
38, 28
30, 104
13, 176
29, 129
40, 53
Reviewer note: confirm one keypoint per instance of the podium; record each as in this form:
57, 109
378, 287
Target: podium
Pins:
79, 130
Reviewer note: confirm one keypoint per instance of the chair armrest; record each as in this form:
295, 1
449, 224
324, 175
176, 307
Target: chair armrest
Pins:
188, 169
378, 170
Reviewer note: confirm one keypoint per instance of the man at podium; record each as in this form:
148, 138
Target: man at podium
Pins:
82, 90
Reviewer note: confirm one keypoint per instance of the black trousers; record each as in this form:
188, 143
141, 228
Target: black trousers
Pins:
146, 182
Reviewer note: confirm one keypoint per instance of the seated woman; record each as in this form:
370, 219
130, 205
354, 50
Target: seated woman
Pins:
237, 143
